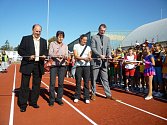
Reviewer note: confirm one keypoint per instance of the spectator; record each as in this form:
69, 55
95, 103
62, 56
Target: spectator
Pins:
118, 67
157, 80
149, 70
164, 69
129, 69
5, 60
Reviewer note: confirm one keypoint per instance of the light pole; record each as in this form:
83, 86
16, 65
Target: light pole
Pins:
47, 27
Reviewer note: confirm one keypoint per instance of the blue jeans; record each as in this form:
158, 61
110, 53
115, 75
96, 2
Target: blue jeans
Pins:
158, 75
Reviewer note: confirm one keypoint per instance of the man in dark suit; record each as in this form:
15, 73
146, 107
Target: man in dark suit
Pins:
100, 45
33, 49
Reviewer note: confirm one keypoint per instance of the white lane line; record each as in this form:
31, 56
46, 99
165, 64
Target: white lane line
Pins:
12, 100
77, 110
142, 110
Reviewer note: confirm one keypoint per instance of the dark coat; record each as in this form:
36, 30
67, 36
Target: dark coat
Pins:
27, 48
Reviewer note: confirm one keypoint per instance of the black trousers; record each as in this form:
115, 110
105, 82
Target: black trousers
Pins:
61, 71
25, 91
82, 71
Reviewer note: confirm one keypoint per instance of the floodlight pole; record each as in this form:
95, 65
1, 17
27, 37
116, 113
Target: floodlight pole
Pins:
47, 27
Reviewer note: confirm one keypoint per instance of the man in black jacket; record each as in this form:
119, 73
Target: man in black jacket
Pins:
33, 49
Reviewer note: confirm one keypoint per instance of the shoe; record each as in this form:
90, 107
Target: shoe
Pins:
51, 104
158, 94
141, 90
127, 89
154, 93
22, 109
60, 102
145, 90
110, 97
34, 106
148, 97
132, 89
76, 100
114, 85
87, 101
93, 97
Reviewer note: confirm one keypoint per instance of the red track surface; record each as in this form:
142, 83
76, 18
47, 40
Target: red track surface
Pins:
101, 111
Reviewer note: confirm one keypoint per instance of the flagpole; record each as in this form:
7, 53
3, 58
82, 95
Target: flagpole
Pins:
47, 28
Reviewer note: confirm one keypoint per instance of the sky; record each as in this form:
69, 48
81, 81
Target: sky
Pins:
75, 17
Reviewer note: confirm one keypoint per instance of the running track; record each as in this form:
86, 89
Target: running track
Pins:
129, 111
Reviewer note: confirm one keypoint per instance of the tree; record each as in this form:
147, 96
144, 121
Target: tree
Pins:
16, 48
51, 40
6, 46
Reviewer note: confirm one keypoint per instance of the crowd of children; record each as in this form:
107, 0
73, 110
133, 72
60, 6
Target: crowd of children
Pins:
140, 69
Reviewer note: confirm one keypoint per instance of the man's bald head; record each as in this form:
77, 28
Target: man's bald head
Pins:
36, 30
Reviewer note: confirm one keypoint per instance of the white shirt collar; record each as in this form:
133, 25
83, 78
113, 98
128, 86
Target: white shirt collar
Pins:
36, 38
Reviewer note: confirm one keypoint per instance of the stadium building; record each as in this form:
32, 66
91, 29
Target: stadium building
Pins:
116, 38
153, 32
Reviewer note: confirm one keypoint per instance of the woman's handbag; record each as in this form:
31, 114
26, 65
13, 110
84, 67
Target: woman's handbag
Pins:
47, 65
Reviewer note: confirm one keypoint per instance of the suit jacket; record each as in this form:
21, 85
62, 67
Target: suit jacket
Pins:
27, 48
99, 49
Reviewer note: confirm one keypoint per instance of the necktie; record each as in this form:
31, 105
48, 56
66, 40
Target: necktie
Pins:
101, 38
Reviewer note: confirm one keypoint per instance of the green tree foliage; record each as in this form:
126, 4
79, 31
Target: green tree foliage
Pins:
6, 46
16, 48
51, 40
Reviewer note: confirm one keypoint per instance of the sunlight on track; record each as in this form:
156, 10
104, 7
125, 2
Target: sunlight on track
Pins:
127, 104
12, 100
77, 110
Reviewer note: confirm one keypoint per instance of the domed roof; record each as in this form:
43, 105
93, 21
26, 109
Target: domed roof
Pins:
154, 31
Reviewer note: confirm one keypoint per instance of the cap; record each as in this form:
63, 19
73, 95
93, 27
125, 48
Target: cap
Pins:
137, 44
119, 49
